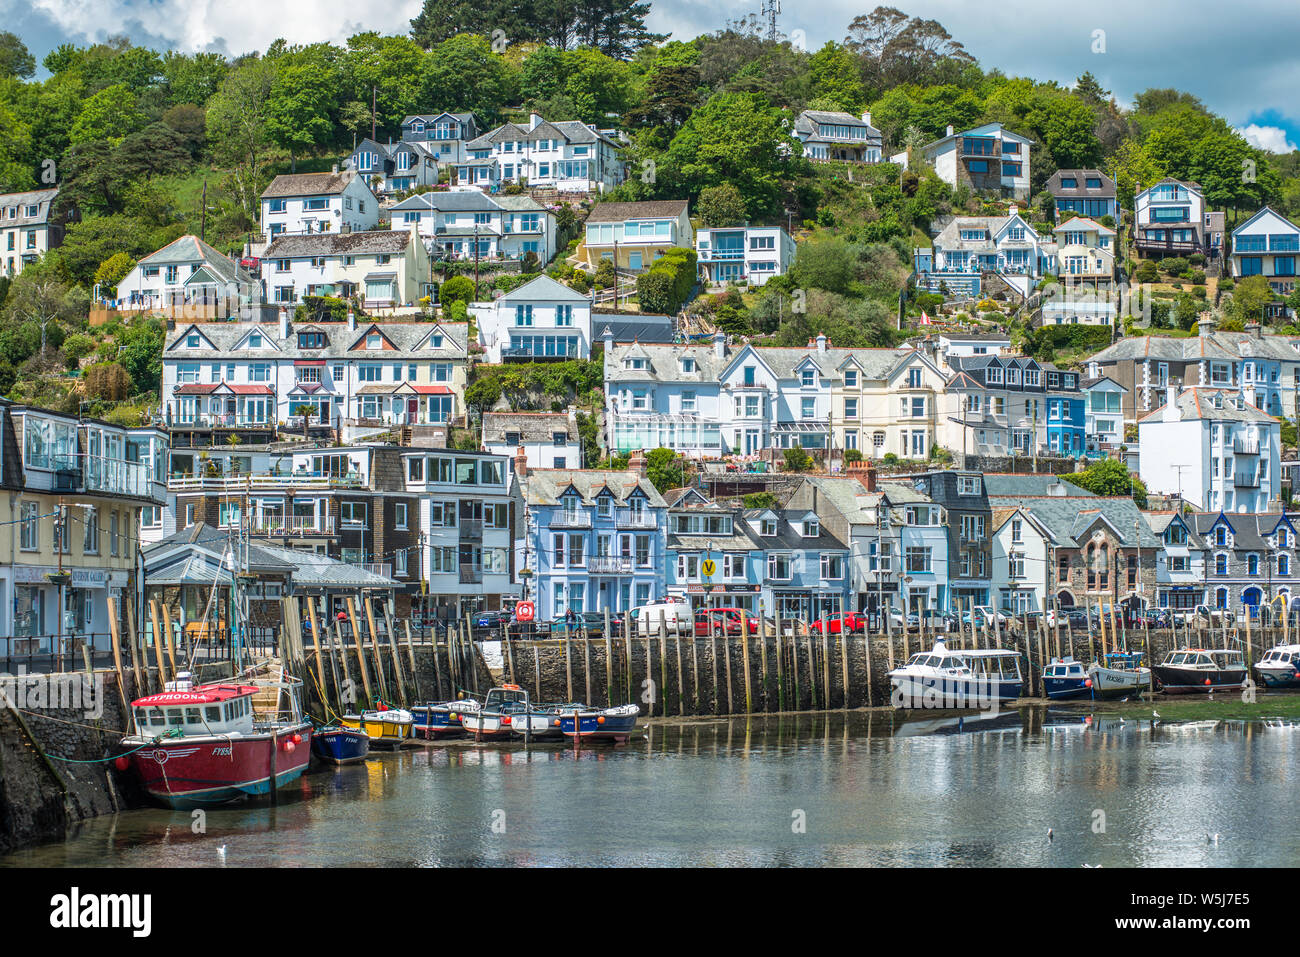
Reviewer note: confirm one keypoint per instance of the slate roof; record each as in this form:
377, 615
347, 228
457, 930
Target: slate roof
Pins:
372, 242
1248, 529
544, 287
787, 536
807, 121
406, 336
42, 198
190, 249
783, 360
1199, 403
571, 131
1028, 483
313, 570
650, 209
849, 496
652, 329
448, 201
531, 426
1070, 519
1081, 191
309, 184
545, 486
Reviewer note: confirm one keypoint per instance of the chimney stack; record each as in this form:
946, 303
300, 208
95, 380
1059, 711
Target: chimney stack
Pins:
822, 342
1206, 324
1255, 329
352, 320
866, 118
284, 322
521, 463
335, 169
1171, 413
637, 463
869, 476
534, 120
949, 133
720, 345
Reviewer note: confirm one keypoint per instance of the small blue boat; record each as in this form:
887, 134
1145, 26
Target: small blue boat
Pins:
442, 720
1065, 678
340, 745
609, 724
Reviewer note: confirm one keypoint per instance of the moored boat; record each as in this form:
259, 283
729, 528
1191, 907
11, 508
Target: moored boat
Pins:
339, 745
206, 745
1280, 667
1065, 678
605, 724
442, 720
940, 678
387, 727
1122, 675
495, 719
1200, 671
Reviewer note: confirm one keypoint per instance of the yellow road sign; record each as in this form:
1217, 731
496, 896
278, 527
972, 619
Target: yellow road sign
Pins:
708, 567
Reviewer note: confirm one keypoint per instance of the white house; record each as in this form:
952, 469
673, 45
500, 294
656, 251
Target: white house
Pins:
968, 248
638, 233
749, 254
387, 267
1215, 448
468, 224
395, 167
828, 135
27, 230
250, 375
1021, 546
1267, 245
186, 272
989, 157
568, 156
549, 439
318, 203
540, 319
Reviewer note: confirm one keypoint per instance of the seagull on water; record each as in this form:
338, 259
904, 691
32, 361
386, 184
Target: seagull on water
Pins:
221, 853
1049, 833
1212, 839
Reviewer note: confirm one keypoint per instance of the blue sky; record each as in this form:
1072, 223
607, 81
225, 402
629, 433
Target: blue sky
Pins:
1239, 59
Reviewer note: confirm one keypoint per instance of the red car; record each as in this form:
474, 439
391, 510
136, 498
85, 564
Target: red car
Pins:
724, 621
834, 625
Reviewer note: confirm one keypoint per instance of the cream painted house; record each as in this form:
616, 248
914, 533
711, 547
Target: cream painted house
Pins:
886, 400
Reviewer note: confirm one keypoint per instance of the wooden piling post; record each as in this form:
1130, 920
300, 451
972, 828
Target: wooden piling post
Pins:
157, 642
315, 638
681, 679
133, 637
627, 648
845, 634
167, 632
780, 659
586, 665
361, 655
663, 667
392, 647
342, 654
374, 647
713, 656
609, 660
762, 657
568, 668
812, 669
127, 712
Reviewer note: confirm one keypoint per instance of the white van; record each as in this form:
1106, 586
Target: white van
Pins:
676, 615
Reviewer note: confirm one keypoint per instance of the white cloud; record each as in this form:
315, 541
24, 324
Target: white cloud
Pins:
1271, 138
203, 24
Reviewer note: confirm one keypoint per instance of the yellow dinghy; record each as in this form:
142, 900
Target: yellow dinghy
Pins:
385, 728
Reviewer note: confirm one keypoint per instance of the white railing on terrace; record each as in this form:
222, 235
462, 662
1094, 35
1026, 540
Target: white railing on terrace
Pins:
290, 480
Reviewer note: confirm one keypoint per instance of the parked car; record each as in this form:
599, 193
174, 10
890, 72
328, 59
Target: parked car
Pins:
492, 619
835, 624
725, 621
590, 624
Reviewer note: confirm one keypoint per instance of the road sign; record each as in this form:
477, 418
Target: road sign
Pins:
708, 567
525, 610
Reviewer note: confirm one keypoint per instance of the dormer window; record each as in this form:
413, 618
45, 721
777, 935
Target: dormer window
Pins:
192, 341
1283, 540
688, 364
811, 528
1221, 536
374, 341
768, 527
808, 378
635, 364
255, 340
851, 378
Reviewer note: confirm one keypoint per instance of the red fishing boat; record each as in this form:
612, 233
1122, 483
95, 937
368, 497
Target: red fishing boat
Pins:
198, 746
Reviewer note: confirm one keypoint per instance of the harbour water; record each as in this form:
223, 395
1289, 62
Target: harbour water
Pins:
859, 788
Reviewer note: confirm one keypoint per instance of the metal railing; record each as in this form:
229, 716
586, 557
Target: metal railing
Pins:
262, 482
570, 520
294, 524
609, 566
636, 521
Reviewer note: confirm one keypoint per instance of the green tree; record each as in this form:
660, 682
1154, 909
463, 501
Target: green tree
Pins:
1105, 477
824, 263
597, 84
835, 77
15, 59
302, 101
112, 271
462, 74
237, 128
797, 460
664, 469
1249, 298
456, 289
721, 205
140, 353
735, 137
110, 115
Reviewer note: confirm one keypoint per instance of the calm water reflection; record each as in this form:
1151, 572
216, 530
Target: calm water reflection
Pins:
871, 790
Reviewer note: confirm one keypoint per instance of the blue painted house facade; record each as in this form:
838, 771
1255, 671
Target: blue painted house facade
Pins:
595, 540
1067, 414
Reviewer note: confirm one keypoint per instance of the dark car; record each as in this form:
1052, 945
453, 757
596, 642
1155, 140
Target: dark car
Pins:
492, 619
590, 624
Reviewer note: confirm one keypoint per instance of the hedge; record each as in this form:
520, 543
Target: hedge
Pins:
667, 284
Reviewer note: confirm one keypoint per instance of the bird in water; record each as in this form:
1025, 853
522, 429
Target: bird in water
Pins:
221, 853
1212, 839
1049, 833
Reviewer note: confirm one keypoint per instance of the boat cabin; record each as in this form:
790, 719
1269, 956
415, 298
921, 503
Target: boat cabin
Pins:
506, 698
1066, 668
993, 663
1281, 655
209, 709
1208, 660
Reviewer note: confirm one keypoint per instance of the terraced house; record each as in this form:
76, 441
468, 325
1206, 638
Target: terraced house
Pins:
317, 203
470, 517
700, 530
1147, 365
885, 401
1249, 559
595, 540
187, 278
444, 134
220, 378
1180, 563
998, 406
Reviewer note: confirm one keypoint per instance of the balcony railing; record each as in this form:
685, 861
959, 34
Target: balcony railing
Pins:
181, 482
1245, 481
225, 420
471, 530
1245, 447
116, 476
570, 520
610, 566
294, 525
471, 574
637, 521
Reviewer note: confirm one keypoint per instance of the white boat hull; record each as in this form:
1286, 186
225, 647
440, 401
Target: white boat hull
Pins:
1118, 682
